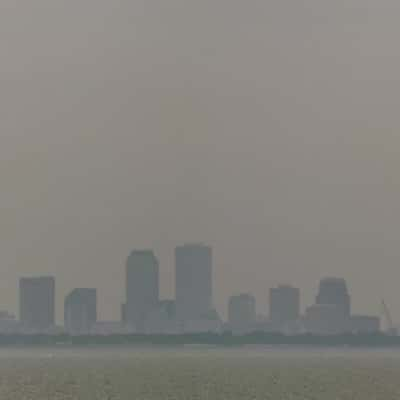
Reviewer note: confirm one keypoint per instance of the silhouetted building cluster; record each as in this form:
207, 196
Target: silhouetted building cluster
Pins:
191, 311
330, 315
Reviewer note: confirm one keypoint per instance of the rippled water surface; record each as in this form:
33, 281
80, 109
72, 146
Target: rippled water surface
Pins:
199, 374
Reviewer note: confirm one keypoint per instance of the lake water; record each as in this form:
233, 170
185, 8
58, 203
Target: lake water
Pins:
197, 373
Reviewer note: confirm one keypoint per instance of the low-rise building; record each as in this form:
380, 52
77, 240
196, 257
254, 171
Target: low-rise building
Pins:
241, 313
325, 319
364, 324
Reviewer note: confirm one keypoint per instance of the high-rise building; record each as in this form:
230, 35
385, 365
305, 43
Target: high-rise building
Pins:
193, 281
142, 287
333, 291
242, 313
331, 312
80, 311
36, 302
284, 305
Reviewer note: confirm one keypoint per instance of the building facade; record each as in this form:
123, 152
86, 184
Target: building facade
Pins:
37, 303
242, 313
80, 311
162, 320
142, 287
284, 306
333, 291
364, 324
325, 319
193, 281
331, 313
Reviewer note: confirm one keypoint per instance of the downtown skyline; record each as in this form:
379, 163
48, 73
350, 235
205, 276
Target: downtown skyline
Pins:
112, 301
260, 144
194, 281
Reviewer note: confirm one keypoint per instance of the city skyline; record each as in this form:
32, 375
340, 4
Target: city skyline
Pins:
262, 306
199, 199
249, 135
144, 309
262, 302
221, 297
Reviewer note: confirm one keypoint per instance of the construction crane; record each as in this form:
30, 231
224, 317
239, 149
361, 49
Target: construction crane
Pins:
390, 328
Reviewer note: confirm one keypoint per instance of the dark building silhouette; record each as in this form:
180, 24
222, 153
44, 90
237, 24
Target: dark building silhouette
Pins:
242, 313
331, 312
193, 281
80, 311
364, 324
36, 302
325, 319
284, 306
333, 291
142, 287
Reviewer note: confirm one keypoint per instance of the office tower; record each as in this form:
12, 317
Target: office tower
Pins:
331, 313
193, 281
242, 313
333, 291
80, 311
142, 287
36, 302
284, 306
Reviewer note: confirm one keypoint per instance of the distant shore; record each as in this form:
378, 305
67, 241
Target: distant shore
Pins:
204, 339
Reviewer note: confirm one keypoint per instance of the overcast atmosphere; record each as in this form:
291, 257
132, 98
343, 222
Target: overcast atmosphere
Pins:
267, 129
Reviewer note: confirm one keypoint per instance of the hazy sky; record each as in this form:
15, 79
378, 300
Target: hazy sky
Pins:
269, 129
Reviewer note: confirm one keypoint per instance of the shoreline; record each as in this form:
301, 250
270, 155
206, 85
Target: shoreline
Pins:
203, 340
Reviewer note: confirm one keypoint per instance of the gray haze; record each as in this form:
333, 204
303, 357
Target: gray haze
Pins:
268, 129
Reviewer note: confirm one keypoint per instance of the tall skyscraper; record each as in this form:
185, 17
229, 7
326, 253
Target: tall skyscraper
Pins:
36, 302
80, 311
331, 312
142, 287
242, 313
333, 291
284, 305
193, 281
